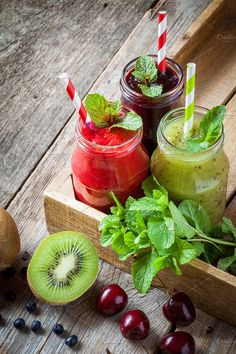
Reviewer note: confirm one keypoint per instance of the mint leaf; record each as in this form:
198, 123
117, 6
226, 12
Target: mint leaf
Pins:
196, 144
145, 66
161, 262
113, 108
152, 188
151, 91
140, 224
96, 107
129, 239
228, 227
143, 271
131, 121
211, 124
118, 243
174, 266
140, 76
210, 130
196, 215
187, 230
161, 232
186, 251
225, 263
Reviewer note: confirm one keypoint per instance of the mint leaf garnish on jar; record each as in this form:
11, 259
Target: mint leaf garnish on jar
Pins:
146, 74
210, 130
104, 113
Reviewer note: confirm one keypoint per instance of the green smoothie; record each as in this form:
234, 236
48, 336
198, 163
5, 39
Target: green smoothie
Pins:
200, 176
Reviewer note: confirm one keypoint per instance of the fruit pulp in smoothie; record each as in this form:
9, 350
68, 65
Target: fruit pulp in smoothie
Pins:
187, 175
108, 160
146, 107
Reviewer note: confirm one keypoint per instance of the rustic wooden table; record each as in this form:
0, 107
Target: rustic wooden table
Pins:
40, 39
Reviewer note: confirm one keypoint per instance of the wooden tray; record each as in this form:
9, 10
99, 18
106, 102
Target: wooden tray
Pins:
211, 43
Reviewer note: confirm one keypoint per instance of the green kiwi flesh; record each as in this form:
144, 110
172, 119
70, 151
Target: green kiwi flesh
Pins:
63, 267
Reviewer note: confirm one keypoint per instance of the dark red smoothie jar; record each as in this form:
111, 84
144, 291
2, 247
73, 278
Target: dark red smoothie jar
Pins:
152, 109
99, 169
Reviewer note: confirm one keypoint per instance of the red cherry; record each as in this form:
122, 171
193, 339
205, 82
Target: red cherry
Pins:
179, 310
178, 343
112, 299
135, 325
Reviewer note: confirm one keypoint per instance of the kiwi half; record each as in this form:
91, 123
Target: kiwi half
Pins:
62, 268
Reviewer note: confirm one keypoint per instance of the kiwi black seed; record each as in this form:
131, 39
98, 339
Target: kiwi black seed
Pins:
63, 267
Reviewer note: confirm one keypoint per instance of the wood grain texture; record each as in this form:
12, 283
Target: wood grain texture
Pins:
39, 40
27, 205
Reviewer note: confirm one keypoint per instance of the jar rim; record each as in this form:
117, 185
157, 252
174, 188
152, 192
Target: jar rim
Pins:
170, 62
198, 109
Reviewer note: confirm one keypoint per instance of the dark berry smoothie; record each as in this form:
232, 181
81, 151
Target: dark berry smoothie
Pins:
152, 109
107, 160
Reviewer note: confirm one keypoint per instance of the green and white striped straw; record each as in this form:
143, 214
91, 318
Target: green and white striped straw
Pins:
189, 98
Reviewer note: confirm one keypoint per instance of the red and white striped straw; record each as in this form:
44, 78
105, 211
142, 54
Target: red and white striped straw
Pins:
161, 41
73, 94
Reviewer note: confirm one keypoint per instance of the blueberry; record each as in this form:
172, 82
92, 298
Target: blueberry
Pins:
71, 340
9, 272
36, 326
19, 323
58, 329
31, 306
10, 295
25, 256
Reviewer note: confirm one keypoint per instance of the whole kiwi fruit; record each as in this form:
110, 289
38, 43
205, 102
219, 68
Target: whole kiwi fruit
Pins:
63, 267
9, 240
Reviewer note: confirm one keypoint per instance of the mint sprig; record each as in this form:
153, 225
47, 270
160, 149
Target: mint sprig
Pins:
210, 130
157, 234
146, 74
104, 113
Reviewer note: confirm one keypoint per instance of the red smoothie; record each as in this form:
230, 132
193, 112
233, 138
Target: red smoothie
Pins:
152, 109
107, 160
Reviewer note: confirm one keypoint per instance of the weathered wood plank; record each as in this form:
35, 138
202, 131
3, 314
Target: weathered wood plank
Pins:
39, 40
27, 205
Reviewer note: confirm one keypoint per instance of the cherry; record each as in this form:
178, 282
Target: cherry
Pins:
179, 310
135, 325
178, 343
112, 299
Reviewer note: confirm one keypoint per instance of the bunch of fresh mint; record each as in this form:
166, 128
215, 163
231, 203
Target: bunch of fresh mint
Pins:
157, 234
104, 113
146, 74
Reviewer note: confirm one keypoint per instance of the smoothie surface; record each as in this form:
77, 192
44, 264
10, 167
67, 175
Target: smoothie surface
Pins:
174, 132
105, 136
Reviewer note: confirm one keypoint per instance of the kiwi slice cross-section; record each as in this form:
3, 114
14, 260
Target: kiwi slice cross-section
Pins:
63, 267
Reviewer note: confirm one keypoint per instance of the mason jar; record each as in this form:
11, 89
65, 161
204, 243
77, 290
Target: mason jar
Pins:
152, 109
100, 169
200, 176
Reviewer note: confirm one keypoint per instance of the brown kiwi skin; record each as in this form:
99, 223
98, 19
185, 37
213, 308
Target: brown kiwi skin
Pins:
9, 240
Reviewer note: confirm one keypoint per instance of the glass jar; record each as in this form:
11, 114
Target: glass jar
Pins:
99, 169
200, 176
151, 109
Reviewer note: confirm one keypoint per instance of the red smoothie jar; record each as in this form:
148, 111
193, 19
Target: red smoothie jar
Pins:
152, 109
98, 169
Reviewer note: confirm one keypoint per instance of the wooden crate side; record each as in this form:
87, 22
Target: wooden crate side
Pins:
211, 289
201, 29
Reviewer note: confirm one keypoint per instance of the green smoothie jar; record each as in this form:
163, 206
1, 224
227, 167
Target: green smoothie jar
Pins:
200, 176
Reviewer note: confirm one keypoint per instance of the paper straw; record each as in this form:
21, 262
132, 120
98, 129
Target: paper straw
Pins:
161, 41
73, 94
189, 98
